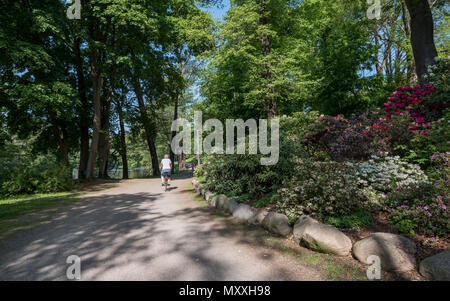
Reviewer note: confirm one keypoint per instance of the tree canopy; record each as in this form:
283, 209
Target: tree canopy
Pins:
86, 90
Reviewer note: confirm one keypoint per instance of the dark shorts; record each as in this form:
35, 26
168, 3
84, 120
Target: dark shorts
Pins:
166, 172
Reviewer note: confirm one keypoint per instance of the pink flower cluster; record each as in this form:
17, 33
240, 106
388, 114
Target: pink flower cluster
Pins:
405, 103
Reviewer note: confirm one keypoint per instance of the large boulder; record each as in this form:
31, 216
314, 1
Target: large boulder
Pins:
436, 267
277, 223
258, 217
230, 205
243, 212
396, 252
320, 237
208, 195
225, 203
213, 201
220, 201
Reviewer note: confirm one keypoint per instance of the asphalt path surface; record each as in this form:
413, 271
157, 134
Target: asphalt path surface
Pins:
136, 231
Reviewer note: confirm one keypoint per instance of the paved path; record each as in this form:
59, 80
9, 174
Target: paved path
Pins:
135, 231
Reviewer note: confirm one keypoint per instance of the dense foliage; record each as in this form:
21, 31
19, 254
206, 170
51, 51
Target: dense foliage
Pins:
42, 174
244, 177
319, 189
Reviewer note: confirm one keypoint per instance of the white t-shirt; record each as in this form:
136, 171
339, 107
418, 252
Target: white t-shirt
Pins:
166, 163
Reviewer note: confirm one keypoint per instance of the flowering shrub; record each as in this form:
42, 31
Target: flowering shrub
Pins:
423, 208
359, 137
405, 104
438, 76
426, 110
431, 218
385, 174
319, 189
441, 172
421, 147
410, 195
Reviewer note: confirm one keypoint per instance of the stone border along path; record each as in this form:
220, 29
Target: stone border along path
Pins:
396, 252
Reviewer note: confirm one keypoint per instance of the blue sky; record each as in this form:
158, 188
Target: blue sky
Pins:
218, 12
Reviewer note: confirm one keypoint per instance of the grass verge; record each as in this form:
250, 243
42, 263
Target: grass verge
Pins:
26, 211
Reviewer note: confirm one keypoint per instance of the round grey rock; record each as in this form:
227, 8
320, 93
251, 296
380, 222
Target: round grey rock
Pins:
258, 217
243, 212
320, 237
220, 201
213, 201
396, 252
436, 267
230, 205
208, 195
277, 223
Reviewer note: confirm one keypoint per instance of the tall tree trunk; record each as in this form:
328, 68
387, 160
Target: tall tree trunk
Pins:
377, 53
174, 133
123, 143
183, 161
61, 137
411, 75
97, 83
147, 128
83, 112
422, 35
104, 143
270, 101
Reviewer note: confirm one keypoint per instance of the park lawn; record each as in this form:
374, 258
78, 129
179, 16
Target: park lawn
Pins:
22, 212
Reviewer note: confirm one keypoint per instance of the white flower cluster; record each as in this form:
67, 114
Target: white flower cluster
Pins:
384, 174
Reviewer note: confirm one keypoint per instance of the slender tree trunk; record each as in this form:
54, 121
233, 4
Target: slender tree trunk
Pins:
148, 128
174, 133
377, 55
61, 137
84, 112
422, 35
97, 83
183, 161
123, 144
104, 143
411, 75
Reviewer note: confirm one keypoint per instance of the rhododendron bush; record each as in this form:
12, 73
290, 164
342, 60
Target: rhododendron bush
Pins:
399, 129
393, 159
358, 137
390, 149
406, 103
